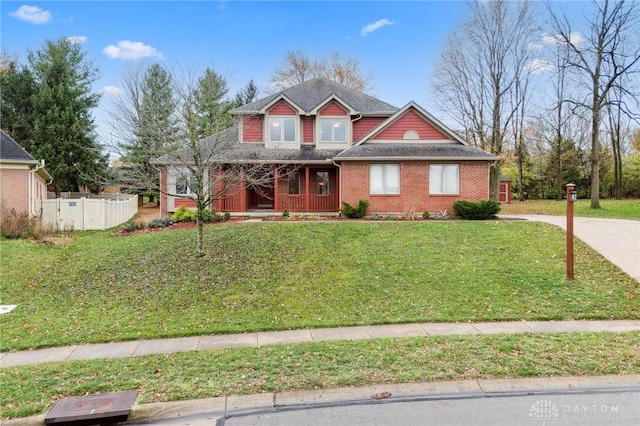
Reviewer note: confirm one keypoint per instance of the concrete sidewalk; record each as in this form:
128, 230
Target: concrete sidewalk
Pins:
618, 240
181, 344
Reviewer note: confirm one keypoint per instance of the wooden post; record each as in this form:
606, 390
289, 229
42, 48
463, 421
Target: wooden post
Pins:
306, 189
570, 199
275, 190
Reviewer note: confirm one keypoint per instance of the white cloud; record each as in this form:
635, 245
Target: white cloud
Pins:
131, 50
32, 14
111, 91
77, 39
535, 46
538, 66
376, 25
576, 38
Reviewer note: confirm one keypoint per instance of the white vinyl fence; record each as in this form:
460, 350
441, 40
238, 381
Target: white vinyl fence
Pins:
86, 214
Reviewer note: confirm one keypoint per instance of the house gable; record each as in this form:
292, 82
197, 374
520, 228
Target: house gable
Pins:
411, 124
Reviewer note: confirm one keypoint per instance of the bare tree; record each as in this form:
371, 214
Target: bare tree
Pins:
297, 68
202, 167
482, 64
610, 51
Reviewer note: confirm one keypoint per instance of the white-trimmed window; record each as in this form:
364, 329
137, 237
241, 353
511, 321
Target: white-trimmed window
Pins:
282, 129
186, 183
333, 130
444, 179
384, 179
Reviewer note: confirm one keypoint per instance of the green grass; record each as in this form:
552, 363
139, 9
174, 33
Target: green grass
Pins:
30, 390
612, 209
275, 276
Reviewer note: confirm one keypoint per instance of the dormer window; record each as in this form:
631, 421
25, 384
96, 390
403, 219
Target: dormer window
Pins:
333, 130
282, 129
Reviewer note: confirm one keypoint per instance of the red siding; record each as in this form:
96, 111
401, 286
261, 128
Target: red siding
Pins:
365, 125
187, 202
414, 188
332, 108
282, 108
252, 128
410, 120
307, 129
163, 192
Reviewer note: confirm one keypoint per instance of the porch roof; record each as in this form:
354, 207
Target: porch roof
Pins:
257, 153
414, 151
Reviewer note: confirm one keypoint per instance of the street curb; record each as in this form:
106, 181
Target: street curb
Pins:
218, 407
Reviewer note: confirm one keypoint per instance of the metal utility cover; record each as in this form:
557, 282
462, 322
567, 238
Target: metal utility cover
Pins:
91, 407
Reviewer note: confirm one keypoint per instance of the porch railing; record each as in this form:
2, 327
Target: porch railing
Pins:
317, 203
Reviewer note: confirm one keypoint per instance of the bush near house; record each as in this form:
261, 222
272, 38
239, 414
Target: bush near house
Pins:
480, 210
355, 212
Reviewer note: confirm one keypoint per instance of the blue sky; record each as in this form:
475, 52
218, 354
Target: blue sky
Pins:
396, 42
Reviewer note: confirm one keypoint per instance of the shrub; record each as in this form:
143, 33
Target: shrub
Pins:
286, 213
355, 212
132, 226
480, 210
183, 214
15, 225
227, 215
160, 222
426, 215
207, 216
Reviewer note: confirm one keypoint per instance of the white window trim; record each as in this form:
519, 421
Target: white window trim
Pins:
384, 190
275, 144
440, 192
332, 144
172, 183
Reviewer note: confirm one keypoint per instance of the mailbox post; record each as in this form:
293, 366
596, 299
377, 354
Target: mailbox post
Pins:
571, 198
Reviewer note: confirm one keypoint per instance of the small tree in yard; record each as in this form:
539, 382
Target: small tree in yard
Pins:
197, 156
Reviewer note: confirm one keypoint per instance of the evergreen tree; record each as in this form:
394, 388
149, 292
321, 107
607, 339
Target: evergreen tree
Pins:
17, 88
247, 95
154, 127
63, 127
212, 107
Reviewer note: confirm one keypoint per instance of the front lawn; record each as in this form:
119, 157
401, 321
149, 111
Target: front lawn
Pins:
276, 276
30, 390
610, 209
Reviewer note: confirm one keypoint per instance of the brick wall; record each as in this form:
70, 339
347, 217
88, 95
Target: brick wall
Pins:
414, 188
14, 187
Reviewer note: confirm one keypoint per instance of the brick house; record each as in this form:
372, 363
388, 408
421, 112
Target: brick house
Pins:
23, 179
341, 145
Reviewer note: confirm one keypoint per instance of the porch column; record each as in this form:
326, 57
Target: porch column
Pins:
337, 204
220, 189
275, 190
306, 189
243, 195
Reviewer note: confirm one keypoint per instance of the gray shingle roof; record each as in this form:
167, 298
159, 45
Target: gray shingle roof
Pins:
11, 151
414, 151
310, 94
226, 148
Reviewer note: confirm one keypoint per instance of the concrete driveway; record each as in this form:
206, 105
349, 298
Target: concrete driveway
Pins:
618, 240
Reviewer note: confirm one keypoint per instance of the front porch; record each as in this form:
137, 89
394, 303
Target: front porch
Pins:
305, 189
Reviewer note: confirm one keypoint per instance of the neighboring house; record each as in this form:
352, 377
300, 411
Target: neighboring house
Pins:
342, 145
23, 179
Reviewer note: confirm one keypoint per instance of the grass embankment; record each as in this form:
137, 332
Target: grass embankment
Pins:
30, 389
610, 209
276, 276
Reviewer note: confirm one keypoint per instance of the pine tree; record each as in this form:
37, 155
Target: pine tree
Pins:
63, 127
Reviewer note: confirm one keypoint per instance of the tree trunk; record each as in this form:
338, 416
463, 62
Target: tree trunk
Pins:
595, 153
199, 234
494, 180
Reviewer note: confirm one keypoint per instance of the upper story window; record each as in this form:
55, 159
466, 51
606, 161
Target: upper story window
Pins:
333, 130
282, 129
